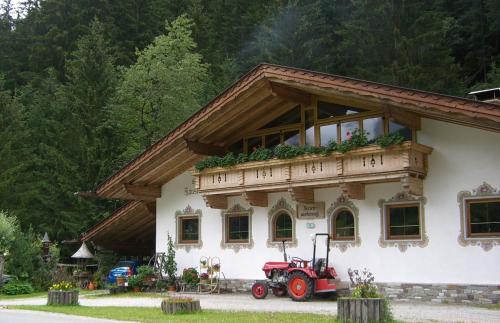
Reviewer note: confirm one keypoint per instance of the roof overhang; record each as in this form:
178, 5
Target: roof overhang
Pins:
255, 96
130, 230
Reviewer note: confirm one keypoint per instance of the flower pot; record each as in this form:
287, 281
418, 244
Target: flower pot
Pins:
171, 288
120, 281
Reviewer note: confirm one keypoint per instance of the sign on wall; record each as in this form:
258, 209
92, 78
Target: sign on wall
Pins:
311, 210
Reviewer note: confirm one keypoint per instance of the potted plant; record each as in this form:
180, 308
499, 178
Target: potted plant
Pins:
366, 304
63, 293
135, 282
170, 265
147, 273
204, 278
190, 276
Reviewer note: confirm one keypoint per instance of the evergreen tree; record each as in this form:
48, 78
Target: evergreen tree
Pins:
163, 88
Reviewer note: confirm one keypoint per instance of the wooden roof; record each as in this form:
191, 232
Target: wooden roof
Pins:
129, 230
258, 96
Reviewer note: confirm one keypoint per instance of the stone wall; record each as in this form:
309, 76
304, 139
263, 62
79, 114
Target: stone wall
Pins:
436, 293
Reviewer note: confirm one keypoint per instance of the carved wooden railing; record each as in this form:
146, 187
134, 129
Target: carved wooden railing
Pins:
367, 164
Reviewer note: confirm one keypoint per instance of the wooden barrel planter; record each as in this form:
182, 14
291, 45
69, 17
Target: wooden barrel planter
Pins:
180, 305
62, 297
361, 309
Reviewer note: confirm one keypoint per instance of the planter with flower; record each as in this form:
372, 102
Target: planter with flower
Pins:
366, 304
147, 274
63, 293
135, 282
204, 278
216, 268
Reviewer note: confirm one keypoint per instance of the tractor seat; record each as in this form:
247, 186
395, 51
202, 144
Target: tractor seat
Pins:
318, 264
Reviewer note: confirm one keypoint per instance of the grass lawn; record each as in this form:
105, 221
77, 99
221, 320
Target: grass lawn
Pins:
128, 294
143, 314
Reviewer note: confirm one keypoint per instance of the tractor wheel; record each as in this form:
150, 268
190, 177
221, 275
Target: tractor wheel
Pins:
300, 287
259, 290
279, 291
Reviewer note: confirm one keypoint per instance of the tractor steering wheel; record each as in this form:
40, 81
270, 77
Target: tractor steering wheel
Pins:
297, 259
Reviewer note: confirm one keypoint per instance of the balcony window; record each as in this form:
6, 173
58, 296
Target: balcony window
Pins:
291, 138
401, 129
272, 140
374, 127
328, 133
327, 110
347, 129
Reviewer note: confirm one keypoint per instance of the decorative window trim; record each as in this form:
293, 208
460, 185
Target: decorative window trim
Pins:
402, 244
484, 190
236, 246
281, 206
188, 212
343, 203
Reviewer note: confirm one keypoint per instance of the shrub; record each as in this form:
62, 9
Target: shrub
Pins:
190, 276
17, 288
145, 270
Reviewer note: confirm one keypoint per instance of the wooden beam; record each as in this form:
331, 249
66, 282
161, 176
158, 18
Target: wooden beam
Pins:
143, 192
151, 206
290, 94
353, 190
405, 118
256, 198
216, 201
412, 185
205, 149
302, 194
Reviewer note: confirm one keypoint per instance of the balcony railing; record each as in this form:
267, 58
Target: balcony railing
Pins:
364, 165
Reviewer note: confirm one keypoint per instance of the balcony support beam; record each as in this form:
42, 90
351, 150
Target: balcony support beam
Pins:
216, 201
302, 194
256, 198
353, 190
413, 185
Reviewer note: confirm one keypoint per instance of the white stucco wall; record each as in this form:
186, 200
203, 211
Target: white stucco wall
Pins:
463, 158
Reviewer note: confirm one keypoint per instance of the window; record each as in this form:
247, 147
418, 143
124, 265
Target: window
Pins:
291, 138
402, 130
347, 129
189, 229
254, 143
374, 127
328, 110
328, 133
290, 117
483, 217
343, 225
272, 140
237, 228
403, 221
282, 227
309, 126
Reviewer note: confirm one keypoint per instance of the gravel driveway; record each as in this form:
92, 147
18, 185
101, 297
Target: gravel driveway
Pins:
409, 312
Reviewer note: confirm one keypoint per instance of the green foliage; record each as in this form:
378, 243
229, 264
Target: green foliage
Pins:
190, 276
106, 260
8, 229
17, 288
145, 270
170, 264
389, 140
260, 154
135, 281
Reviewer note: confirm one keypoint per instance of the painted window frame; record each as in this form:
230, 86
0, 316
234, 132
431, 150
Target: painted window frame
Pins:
483, 192
343, 203
281, 206
236, 245
402, 199
180, 215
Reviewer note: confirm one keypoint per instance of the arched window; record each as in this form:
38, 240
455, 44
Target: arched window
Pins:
343, 225
282, 227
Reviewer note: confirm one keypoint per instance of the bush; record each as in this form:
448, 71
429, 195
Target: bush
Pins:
17, 288
190, 276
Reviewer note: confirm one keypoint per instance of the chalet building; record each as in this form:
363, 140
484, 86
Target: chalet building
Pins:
423, 215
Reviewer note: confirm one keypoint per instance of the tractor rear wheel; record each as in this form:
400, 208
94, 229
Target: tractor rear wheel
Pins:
300, 286
259, 290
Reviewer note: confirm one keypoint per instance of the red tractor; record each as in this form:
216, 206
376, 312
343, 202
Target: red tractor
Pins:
300, 278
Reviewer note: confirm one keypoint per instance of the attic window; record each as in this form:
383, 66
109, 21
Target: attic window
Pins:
327, 110
289, 117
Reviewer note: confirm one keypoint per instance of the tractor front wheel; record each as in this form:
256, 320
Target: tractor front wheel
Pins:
300, 286
259, 290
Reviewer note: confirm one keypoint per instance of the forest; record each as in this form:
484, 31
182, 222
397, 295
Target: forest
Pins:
87, 85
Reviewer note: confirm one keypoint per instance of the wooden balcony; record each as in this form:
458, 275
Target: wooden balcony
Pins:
406, 163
